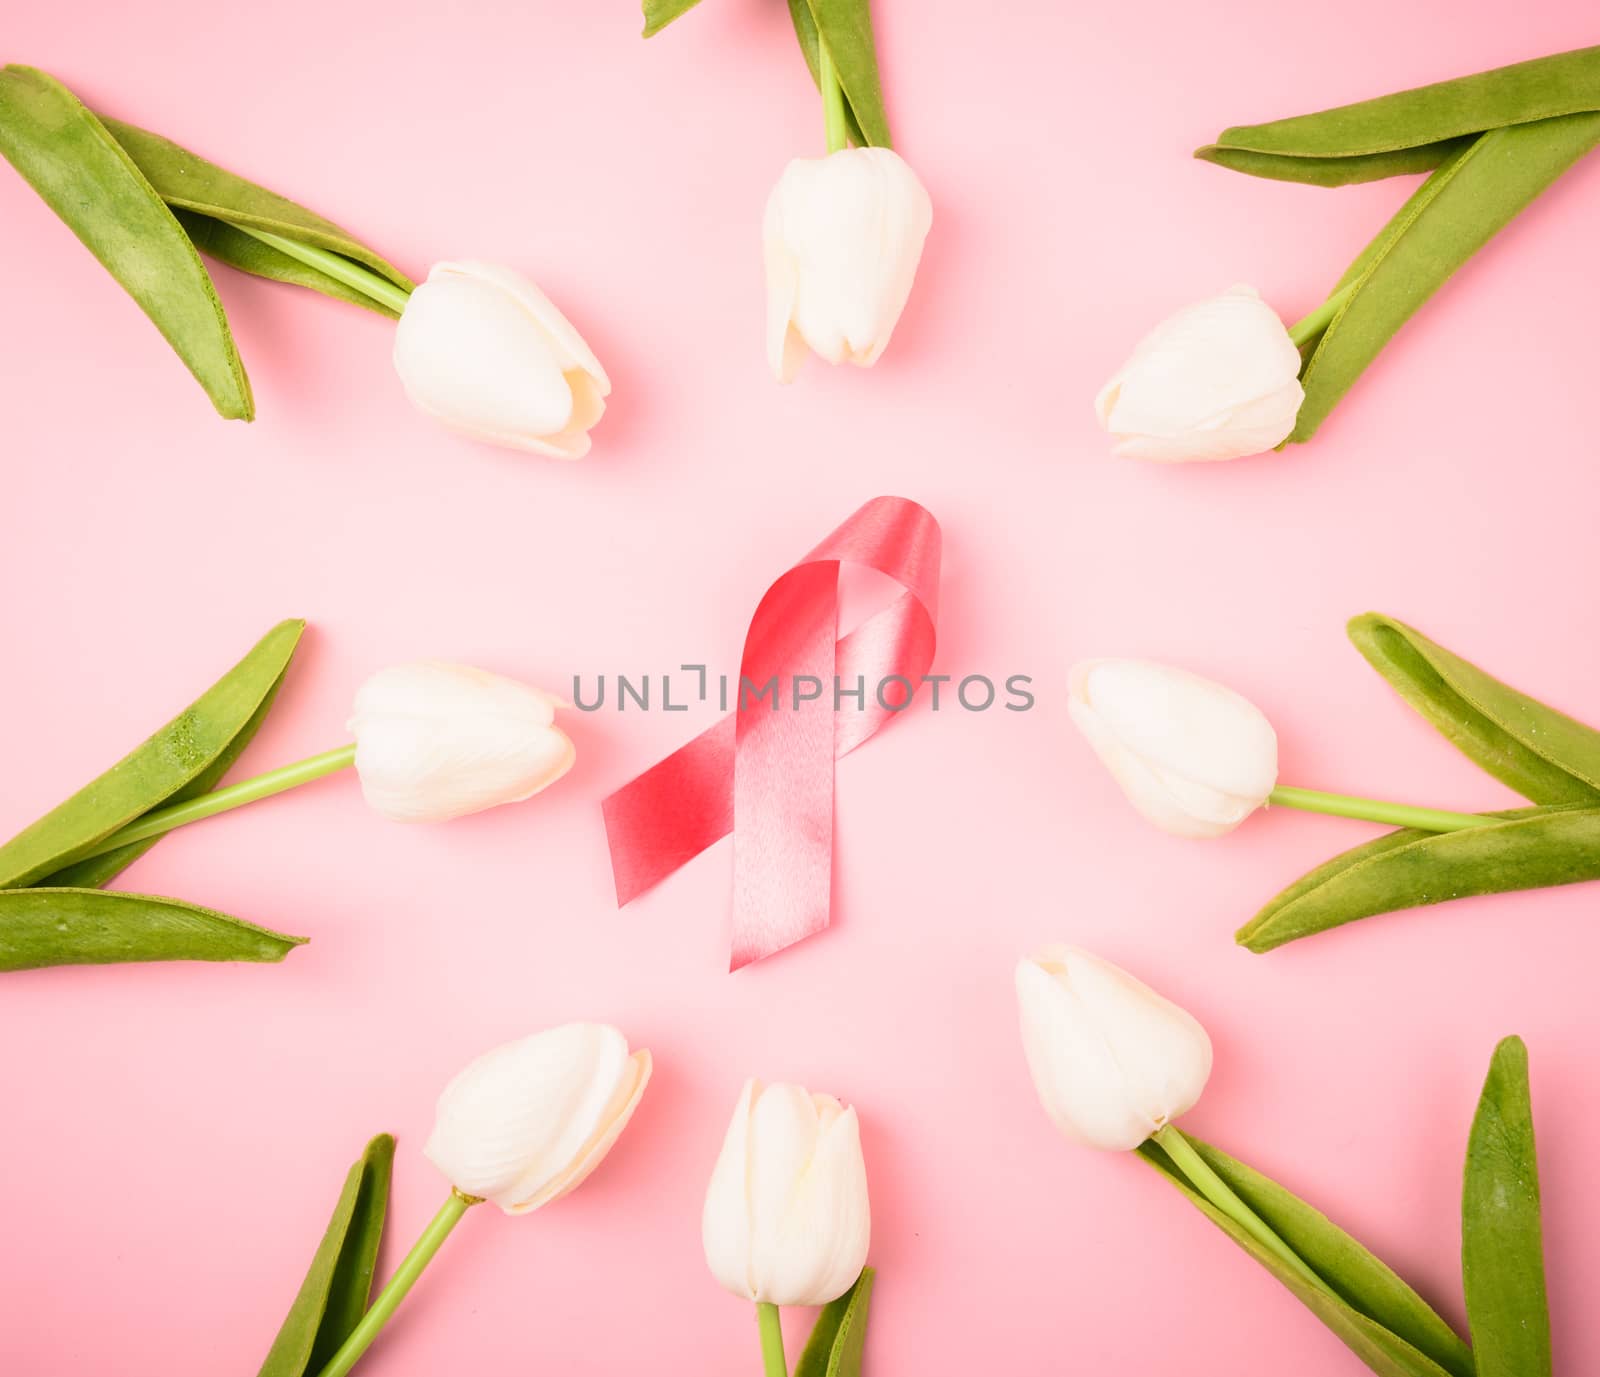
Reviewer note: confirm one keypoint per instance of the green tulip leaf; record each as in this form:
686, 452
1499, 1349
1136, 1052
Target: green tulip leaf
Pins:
839, 1337
659, 13
102, 869
1331, 171
83, 174
333, 1296
185, 758
1531, 848
98, 927
1474, 193
211, 202
804, 13
1310, 882
1544, 755
1410, 131
846, 27
1502, 1249
1376, 1315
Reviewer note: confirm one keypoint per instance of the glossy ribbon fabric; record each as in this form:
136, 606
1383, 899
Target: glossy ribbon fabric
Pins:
765, 773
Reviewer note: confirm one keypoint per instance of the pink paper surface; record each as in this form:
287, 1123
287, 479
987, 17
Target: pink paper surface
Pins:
172, 1138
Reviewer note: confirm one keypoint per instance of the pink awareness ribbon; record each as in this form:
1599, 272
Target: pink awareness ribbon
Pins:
765, 773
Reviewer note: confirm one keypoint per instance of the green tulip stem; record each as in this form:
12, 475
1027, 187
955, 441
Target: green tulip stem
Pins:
1302, 332
162, 820
336, 266
833, 114
404, 1278
773, 1359
1221, 1195
1375, 810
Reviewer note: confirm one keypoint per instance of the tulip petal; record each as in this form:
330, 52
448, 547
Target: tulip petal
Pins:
572, 441
1080, 1083
466, 355
1191, 755
519, 1117
725, 1221
1174, 805
1219, 379
784, 1129
786, 1219
484, 351
843, 237
812, 1265
613, 1119
1205, 360
437, 741
1185, 724
905, 215
570, 347
1111, 1059
785, 348
1163, 1052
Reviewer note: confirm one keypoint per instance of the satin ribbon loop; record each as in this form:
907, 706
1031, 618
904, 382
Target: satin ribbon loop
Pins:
765, 772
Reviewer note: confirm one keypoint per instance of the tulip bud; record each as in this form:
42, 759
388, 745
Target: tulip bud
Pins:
526, 1123
1218, 380
437, 741
786, 1220
1112, 1060
1193, 757
483, 350
843, 236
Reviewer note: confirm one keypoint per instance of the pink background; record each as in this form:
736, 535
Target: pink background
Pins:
173, 1136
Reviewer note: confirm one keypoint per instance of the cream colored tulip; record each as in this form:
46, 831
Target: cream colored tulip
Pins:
1218, 380
843, 236
786, 1219
484, 351
526, 1123
1192, 756
1112, 1060
437, 741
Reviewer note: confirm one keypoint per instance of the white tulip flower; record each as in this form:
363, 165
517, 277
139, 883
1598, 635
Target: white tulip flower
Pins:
484, 351
526, 1123
843, 236
786, 1218
1112, 1060
437, 741
522, 1125
1218, 380
1192, 756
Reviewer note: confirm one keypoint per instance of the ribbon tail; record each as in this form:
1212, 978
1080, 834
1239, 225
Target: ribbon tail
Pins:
672, 812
